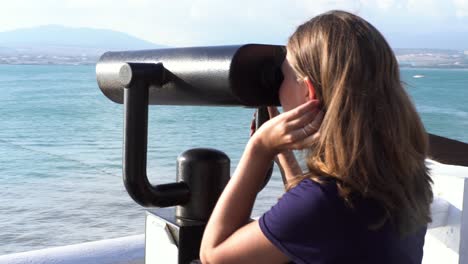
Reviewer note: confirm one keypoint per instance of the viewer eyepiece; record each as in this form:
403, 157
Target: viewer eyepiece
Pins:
243, 75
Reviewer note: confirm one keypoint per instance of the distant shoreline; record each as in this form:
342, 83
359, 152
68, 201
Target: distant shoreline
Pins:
407, 58
402, 66
49, 64
434, 67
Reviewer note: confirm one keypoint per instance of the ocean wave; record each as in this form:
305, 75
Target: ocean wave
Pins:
442, 110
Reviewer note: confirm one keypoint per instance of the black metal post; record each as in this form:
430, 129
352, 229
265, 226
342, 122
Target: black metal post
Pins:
206, 173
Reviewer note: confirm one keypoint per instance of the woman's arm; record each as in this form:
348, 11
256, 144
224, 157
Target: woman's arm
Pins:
288, 166
227, 238
286, 160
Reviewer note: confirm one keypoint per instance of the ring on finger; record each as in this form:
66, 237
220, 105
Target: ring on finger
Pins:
311, 127
305, 132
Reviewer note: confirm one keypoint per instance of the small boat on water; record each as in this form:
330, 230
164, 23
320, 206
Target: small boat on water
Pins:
417, 76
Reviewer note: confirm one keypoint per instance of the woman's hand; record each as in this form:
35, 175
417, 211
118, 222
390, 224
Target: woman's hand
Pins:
286, 160
295, 129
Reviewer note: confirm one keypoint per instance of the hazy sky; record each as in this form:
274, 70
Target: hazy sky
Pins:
207, 22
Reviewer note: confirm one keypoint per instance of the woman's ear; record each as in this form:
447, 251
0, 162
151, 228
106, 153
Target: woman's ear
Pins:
310, 89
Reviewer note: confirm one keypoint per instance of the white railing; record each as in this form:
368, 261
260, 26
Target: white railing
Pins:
124, 250
447, 237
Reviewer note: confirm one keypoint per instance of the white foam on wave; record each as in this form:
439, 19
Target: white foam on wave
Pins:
442, 110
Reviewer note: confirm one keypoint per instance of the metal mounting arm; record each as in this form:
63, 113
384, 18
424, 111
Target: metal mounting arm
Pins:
136, 77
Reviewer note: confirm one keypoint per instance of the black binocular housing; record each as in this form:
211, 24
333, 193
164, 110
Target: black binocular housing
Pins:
242, 75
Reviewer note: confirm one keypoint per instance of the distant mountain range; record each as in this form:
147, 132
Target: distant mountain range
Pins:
54, 44
432, 58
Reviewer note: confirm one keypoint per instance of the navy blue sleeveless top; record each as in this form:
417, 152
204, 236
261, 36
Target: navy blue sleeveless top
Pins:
311, 224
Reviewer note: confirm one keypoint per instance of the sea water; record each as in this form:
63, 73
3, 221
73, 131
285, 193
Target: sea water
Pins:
61, 150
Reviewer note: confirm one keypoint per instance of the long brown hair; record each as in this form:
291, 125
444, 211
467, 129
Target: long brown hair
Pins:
371, 138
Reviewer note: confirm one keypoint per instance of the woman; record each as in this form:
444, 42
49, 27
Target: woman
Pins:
367, 193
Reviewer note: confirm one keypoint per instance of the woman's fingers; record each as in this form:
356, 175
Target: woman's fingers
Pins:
291, 129
273, 111
304, 116
307, 142
304, 136
253, 124
303, 120
301, 110
314, 126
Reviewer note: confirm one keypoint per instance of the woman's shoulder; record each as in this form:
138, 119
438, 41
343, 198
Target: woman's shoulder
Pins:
321, 196
300, 210
301, 223
310, 197
323, 190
